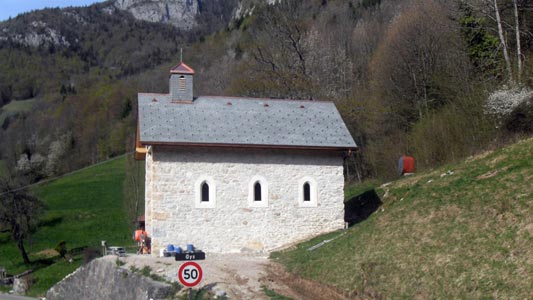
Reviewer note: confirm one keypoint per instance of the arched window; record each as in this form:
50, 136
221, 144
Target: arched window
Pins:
182, 83
205, 192
257, 191
307, 191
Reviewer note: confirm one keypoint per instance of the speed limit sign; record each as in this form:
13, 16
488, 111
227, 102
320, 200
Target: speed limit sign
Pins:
190, 274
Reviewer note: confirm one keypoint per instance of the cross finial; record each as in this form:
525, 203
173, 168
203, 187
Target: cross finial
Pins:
181, 54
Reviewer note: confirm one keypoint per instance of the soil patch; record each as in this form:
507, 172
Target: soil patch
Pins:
47, 253
297, 288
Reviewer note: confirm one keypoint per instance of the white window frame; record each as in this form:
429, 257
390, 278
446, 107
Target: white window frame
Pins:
198, 203
313, 192
264, 192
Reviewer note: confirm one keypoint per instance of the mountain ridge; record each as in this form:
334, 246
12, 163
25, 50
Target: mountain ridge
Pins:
44, 27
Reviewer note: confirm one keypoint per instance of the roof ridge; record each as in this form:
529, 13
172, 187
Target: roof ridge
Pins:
265, 99
156, 94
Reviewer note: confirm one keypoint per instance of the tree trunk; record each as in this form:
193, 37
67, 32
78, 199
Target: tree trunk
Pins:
518, 48
503, 42
20, 245
19, 237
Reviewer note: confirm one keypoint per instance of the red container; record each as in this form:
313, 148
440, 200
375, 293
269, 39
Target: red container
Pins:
406, 164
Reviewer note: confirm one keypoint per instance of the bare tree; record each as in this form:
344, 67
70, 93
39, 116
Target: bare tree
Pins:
280, 52
503, 41
418, 58
19, 212
495, 10
518, 47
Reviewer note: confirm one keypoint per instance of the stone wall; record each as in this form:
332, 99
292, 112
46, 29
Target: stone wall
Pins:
103, 279
233, 223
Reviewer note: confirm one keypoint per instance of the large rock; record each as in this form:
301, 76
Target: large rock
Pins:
21, 285
103, 279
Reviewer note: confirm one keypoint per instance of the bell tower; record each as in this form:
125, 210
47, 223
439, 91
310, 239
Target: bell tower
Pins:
181, 82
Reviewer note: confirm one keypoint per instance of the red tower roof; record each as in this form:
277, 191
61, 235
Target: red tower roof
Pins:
182, 68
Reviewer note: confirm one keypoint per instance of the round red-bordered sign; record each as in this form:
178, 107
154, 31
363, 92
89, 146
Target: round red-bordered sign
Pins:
190, 274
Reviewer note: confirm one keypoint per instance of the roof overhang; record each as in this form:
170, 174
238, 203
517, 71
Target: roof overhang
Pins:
140, 153
140, 150
247, 146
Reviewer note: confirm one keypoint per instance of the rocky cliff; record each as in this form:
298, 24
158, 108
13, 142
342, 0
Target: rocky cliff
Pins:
72, 26
180, 13
104, 279
185, 14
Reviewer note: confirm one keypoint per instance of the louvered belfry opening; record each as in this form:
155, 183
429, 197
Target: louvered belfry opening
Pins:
182, 83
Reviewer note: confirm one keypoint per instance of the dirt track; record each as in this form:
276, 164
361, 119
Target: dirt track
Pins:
241, 276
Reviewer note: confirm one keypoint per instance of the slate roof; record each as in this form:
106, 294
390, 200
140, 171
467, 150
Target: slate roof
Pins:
242, 121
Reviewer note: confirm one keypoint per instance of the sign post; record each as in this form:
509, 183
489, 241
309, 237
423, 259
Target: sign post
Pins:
190, 274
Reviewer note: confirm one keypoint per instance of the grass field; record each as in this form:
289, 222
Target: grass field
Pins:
15, 107
82, 209
464, 235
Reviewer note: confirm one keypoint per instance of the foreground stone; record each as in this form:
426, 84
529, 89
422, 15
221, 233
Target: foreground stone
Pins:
104, 279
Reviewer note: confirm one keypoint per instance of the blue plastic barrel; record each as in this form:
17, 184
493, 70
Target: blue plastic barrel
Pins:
190, 248
178, 249
170, 248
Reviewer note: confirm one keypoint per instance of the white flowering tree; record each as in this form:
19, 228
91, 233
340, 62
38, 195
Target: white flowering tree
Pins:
502, 102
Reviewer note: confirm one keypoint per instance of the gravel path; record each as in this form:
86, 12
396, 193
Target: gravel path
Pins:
239, 276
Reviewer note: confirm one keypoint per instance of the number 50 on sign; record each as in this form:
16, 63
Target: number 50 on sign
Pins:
190, 274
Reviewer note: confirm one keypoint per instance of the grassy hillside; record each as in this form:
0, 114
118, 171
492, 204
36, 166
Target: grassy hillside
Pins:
15, 107
464, 235
82, 209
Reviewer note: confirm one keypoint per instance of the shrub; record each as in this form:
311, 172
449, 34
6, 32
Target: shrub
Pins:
134, 269
146, 270
521, 118
119, 263
61, 248
453, 133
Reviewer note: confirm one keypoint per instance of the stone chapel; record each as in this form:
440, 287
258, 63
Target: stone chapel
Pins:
233, 174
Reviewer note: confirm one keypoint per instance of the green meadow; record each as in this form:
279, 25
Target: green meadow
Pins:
82, 209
